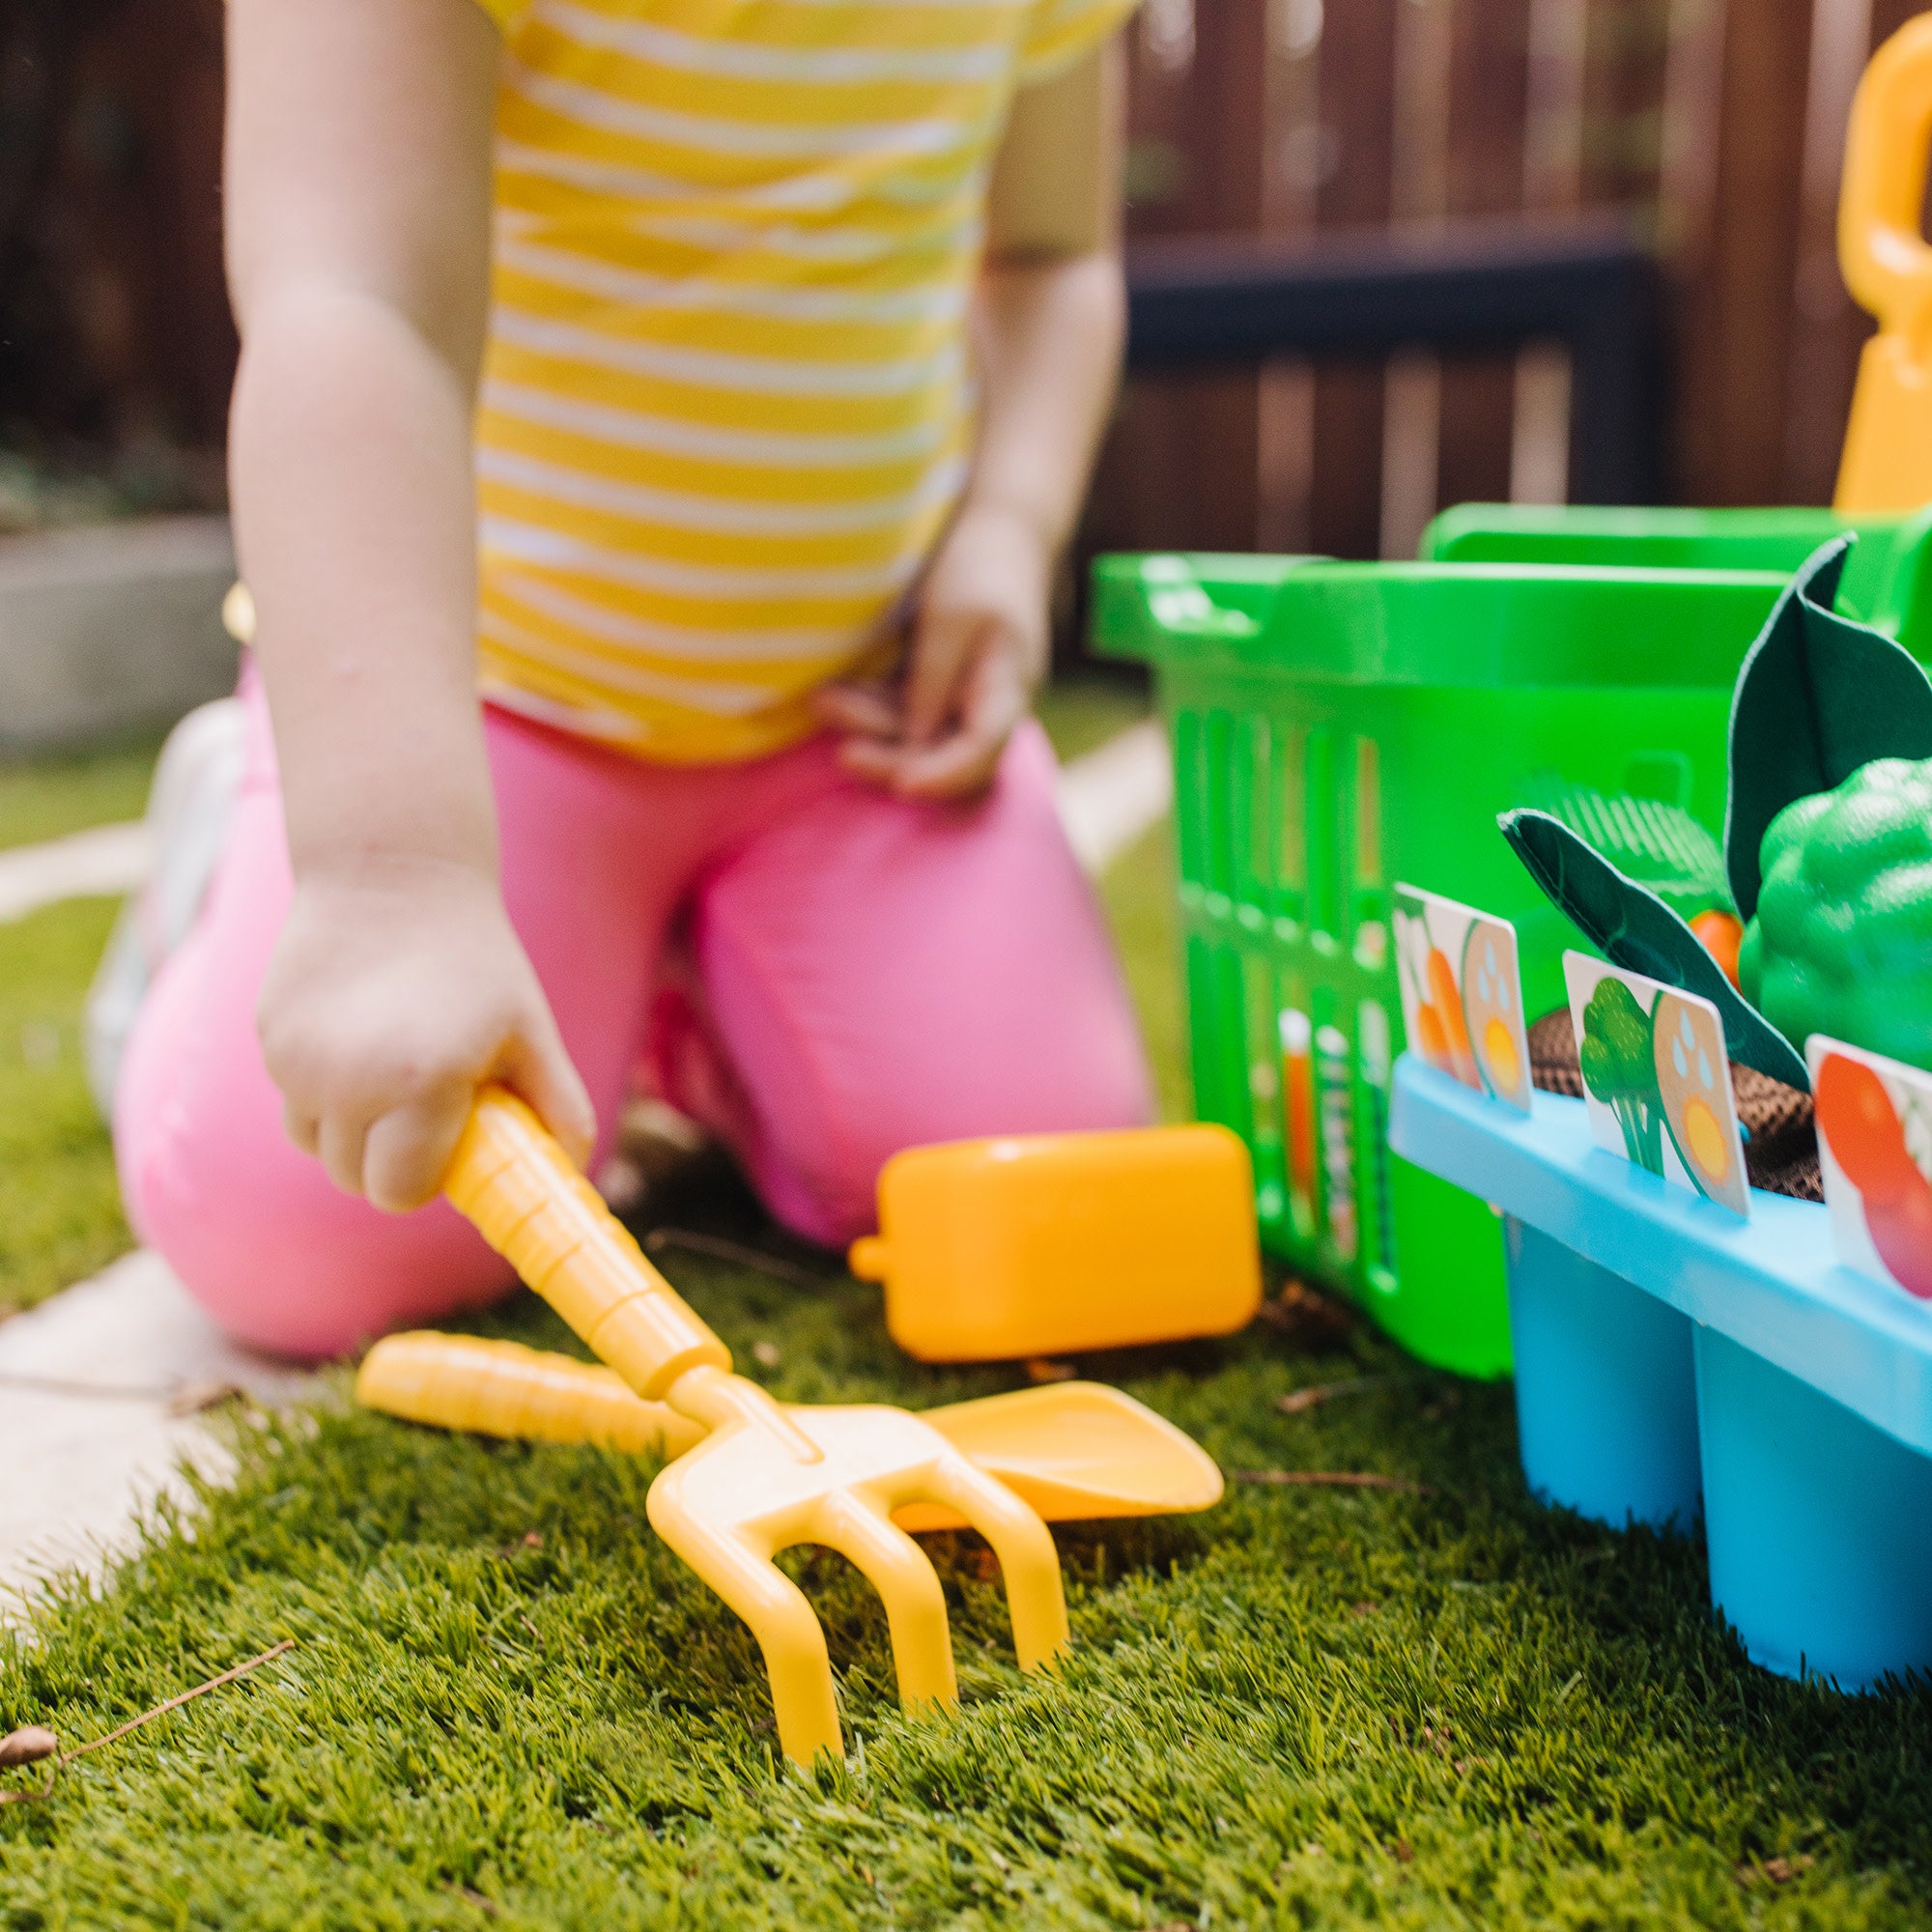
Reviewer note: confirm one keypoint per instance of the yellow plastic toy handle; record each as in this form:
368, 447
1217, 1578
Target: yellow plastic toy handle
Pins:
501, 1389
1882, 248
511, 1179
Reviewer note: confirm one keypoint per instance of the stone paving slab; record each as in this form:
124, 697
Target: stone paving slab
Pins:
91, 1386
111, 628
103, 862
1111, 796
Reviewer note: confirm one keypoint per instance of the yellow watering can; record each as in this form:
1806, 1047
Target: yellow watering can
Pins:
1886, 464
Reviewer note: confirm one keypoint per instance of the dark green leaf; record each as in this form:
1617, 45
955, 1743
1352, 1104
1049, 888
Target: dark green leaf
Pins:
1818, 696
1634, 929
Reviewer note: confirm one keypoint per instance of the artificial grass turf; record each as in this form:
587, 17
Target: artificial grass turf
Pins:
510, 1706
45, 797
1082, 713
59, 1202
60, 1209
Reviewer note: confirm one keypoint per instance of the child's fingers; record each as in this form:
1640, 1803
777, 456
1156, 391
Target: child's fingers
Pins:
303, 1129
340, 1143
964, 762
861, 709
537, 1065
874, 759
943, 647
408, 1151
957, 767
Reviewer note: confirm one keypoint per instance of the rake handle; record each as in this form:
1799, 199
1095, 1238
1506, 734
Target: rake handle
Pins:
511, 1179
501, 1389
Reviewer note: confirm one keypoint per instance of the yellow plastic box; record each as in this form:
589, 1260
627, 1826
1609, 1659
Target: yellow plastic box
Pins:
1056, 1244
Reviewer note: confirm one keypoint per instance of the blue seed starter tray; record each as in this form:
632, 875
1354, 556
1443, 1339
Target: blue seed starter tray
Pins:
1672, 1360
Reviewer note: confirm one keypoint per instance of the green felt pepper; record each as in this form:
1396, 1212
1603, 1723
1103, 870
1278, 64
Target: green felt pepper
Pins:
1818, 696
1842, 940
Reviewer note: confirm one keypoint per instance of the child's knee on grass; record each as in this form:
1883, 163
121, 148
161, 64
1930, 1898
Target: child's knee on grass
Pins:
282, 1260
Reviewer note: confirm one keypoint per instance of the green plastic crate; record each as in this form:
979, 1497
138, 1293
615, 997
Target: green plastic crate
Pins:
1883, 581
1337, 728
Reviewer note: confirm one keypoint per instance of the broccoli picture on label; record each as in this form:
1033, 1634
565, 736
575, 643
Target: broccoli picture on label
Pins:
1618, 1056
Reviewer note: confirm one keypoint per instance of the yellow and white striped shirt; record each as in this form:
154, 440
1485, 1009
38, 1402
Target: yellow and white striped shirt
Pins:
728, 406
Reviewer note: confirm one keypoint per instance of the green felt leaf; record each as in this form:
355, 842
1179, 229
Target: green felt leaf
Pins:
1818, 696
1634, 929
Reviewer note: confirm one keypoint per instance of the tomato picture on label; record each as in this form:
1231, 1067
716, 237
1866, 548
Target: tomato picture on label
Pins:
1867, 1138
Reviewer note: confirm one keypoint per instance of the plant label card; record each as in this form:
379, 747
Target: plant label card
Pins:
1657, 1079
1461, 993
1875, 1146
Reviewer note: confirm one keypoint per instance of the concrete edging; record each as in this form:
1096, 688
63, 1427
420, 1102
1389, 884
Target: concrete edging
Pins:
111, 629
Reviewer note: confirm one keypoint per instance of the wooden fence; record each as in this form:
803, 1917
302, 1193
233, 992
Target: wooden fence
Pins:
114, 324
1714, 124
1717, 124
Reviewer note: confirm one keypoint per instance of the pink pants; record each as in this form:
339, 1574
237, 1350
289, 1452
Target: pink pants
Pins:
822, 974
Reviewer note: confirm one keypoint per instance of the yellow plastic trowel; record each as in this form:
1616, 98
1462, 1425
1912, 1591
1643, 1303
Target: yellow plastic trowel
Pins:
751, 1477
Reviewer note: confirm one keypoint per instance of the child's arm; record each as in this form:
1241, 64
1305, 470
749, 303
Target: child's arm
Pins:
357, 211
1051, 324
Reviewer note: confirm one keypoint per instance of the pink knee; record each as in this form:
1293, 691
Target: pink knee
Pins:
253, 1228
884, 975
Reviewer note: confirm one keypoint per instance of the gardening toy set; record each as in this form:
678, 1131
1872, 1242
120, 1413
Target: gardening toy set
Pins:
1686, 1345
1662, 1130
748, 1476
1346, 738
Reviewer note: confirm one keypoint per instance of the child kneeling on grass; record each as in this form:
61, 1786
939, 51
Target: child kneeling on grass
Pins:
772, 339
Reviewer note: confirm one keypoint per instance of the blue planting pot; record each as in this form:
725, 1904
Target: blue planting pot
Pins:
1671, 1361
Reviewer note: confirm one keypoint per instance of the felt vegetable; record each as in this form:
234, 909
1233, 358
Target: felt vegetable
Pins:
1632, 927
1618, 1056
1841, 943
1818, 699
1720, 934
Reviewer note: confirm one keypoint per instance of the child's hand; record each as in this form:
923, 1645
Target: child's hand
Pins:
395, 991
979, 643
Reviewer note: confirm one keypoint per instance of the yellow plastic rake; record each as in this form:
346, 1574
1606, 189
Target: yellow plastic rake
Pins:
757, 1478
1074, 1452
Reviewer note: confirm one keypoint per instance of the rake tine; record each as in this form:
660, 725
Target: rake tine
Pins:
1029, 1562
775, 1609
908, 1587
